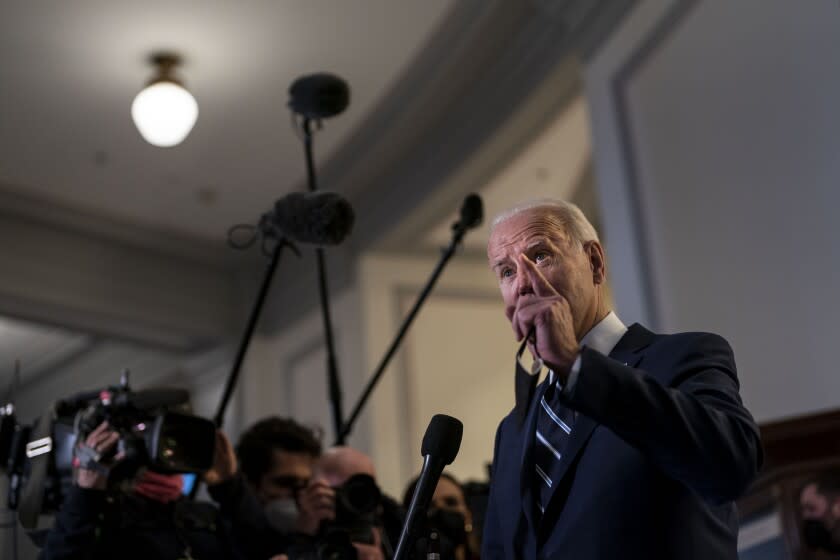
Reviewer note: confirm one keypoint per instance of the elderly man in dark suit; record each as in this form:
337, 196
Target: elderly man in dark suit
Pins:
637, 443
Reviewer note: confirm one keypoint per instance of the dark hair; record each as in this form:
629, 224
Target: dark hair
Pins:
409, 490
256, 447
827, 482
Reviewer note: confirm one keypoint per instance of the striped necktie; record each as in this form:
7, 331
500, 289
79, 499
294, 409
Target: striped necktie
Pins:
554, 426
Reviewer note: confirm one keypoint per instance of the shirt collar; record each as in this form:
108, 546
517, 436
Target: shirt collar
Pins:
602, 337
605, 335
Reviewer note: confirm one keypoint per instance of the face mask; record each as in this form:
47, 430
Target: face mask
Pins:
282, 514
818, 536
451, 525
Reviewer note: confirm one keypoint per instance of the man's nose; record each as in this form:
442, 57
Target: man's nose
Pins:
523, 284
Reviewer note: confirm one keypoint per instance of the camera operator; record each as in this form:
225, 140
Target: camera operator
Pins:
146, 517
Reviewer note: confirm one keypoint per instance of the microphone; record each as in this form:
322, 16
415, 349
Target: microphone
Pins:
319, 96
472, 213
321, 218
439, 448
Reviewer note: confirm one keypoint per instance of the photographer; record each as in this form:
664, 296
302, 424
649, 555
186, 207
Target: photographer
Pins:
286, 502
145, 517
347, 477
258, 488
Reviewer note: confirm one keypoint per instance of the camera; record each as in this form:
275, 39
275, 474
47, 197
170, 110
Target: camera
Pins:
357, 504
154, 432
356, 509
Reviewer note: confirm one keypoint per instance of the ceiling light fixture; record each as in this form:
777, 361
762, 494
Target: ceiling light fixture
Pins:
164, 111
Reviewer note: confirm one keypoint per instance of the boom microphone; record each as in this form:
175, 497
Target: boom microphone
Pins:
472, 212
321, 218
439, 448
319, 96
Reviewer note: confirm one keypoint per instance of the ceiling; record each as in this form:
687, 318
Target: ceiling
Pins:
117, 243
29, 350
551, 166
69, 71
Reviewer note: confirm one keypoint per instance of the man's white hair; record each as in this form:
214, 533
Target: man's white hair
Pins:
574, 222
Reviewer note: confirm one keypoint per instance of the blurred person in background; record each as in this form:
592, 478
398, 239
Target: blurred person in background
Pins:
373, 521
261, 487
284, 499
819, 507
449, 515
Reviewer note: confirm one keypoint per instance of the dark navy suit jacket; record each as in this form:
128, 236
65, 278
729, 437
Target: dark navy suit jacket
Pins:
661, 447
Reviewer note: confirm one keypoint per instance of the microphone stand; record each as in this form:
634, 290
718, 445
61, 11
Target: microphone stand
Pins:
333, 381
458, 232
233, 376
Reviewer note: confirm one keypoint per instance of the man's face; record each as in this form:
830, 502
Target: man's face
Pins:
821, 519
569, 269
338, 464
289, 472
449, 496
812, 504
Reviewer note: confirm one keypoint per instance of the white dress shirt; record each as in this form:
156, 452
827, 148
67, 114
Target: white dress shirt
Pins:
602, 338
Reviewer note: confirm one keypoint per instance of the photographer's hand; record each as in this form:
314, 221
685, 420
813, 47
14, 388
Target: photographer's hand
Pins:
224, 461
102, 440
371, 551
316, 503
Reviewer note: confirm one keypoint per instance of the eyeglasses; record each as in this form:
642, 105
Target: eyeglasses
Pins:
293, 483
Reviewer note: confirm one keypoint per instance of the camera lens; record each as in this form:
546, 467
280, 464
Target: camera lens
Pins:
360, 495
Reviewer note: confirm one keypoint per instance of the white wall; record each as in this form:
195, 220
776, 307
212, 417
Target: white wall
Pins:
457, 359
725, 133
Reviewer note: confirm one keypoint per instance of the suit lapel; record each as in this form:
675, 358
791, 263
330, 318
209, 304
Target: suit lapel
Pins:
628, 352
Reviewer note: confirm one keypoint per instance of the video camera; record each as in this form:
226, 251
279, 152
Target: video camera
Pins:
154, 432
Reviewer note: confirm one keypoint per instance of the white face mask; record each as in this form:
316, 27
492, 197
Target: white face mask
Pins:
282, 514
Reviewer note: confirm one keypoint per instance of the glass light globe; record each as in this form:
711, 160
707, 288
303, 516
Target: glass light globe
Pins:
164, 113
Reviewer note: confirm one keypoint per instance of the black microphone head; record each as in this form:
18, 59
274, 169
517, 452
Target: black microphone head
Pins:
319, 96
472, 211
322, 218
443, 438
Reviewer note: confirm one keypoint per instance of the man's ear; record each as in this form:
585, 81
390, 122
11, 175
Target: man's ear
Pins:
597, 261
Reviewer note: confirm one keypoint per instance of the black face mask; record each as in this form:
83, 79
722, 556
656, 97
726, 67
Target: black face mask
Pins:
818, 536
450, 524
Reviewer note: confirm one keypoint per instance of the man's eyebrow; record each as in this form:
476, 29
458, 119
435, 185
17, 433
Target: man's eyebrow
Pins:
499, 262
541, 241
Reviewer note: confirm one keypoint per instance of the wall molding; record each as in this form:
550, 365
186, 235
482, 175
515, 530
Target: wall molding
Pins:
646, 49
55, 273
405, 294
